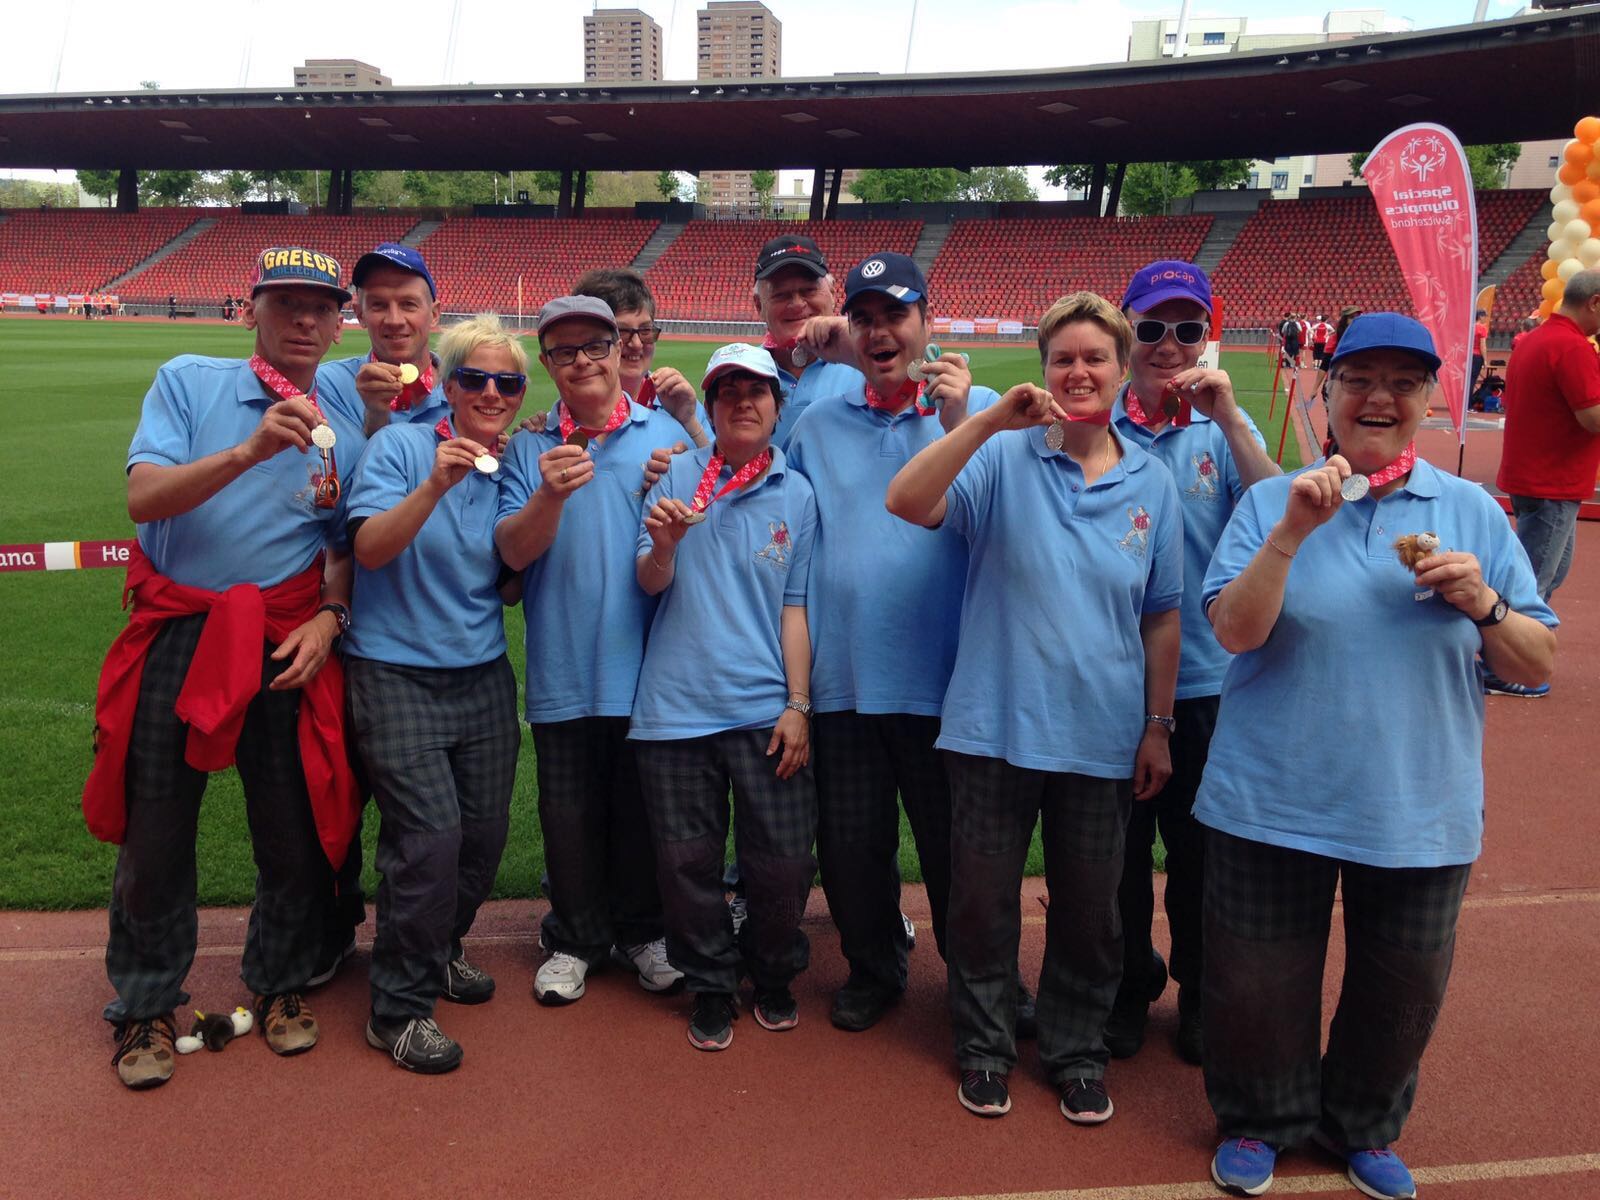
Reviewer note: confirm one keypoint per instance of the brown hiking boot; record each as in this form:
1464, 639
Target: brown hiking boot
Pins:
286, 1023
145, 1057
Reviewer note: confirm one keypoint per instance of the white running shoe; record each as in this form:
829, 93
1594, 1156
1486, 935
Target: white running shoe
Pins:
560, 980
739, 910
911, 932
649, 961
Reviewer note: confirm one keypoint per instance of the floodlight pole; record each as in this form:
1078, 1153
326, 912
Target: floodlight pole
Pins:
912, 33
1180, 39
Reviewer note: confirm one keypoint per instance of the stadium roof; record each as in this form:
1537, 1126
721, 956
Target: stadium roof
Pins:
1513, 80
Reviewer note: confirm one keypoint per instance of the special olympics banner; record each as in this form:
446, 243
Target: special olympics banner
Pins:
1419, 178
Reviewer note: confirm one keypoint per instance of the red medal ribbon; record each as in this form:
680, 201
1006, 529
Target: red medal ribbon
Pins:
647, 397
908, 391
1399, 467
1137, 413
568, 423
412, 393
325, 486
703, 499
771, 343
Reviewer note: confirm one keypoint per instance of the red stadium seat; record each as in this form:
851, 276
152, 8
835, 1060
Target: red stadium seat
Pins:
80, 250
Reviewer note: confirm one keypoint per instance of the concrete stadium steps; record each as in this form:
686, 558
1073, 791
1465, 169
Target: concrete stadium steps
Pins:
929, 244
172, 247
1224, 232
1531, 240
418, 232
666, 233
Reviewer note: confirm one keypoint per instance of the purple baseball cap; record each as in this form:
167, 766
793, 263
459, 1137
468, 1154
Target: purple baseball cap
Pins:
1167, 279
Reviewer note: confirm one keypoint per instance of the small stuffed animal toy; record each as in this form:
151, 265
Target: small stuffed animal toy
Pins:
1414, 547
215, 1030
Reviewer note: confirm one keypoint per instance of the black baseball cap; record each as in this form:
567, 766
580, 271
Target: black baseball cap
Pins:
789, 251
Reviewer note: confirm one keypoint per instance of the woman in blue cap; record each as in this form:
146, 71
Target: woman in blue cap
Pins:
1357, 596
724, 700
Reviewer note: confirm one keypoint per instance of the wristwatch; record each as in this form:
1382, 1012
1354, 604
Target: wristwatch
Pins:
340, 613
1170, 724
803, 707
1496, 614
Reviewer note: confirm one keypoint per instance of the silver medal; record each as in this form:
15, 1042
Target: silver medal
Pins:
1056, 436
914, 371
1354, 487
323, 437
487, 463
695, 517
800, 356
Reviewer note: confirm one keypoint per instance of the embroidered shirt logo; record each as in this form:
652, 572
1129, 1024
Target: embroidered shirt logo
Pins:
1137, 539
777, 549
1205, 476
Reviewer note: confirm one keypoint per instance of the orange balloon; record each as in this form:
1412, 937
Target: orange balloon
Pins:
1548, 268
1585, 191
1579, 154
1552, 290
1587, 130
1591, 213
1545, 309
1571, 173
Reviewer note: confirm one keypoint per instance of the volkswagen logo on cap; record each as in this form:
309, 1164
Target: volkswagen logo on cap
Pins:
871, 270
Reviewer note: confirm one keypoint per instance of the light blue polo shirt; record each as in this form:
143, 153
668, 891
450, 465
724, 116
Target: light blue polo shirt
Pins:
337, 381
583, 610
263, 527
1201, 463
715, 659
799, 391
885, 595
1356, 730
1049, 673
435, 603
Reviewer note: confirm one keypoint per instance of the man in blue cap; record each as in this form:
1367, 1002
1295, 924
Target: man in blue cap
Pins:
1186, 416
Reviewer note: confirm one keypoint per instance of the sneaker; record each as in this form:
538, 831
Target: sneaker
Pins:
1027, 1025
984, 1093
711, 1026
739, 910
560, 980
1495, 686
333, 958
416, 1044
466, 984
648, 960
1244, 1166
911, 932
1376, 1173
859, 1006
145, 1057
1085, 1102
776, 1009
1190, 1039
286, 1023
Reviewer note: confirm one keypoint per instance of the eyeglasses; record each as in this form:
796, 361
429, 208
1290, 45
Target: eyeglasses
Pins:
1150, 331
565, 356
1401, 386
507, 383
647, 334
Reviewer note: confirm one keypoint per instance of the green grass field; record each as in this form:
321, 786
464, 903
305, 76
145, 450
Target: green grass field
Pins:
73, 393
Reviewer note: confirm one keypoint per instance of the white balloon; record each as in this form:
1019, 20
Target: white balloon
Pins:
1588, 253
1576, 232
1567, 268
1559, 193
1566, 211
1559, 250
1556, 229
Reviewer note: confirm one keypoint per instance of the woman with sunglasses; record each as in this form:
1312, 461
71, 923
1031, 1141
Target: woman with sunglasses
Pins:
1185, 416
1358, 595
1061, 695
432, 697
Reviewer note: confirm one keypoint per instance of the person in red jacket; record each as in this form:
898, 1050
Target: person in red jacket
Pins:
239, 593
1551, 449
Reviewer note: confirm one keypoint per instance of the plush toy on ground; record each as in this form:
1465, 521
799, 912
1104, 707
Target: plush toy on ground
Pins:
215, 1030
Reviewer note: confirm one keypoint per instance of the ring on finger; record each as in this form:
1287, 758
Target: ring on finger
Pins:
563, 474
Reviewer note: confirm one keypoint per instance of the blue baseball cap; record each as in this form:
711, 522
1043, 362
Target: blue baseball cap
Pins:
296, 266
1167, 279
394, 254
1388, 331
892, 274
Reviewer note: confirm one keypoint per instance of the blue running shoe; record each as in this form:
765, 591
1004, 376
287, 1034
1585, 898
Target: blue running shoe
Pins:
1376, 1173
1243, 1166
1495, 686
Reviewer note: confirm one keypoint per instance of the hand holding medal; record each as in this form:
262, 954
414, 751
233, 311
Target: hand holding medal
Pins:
456, 458
567, 467
1024, 406
949, 379
1314, 497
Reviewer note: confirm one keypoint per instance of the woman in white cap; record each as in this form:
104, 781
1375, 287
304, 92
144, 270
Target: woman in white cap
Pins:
1357, 596
723, 700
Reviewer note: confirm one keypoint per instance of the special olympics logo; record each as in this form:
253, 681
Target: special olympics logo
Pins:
1422, 157
872, 269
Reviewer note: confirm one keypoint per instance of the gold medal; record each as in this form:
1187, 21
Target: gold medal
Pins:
408, 374
487, 463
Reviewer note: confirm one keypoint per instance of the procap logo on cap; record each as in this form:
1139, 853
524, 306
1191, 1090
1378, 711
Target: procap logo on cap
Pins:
287, 266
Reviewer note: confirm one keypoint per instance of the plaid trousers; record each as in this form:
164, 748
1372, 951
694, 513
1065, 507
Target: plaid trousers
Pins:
1084, 819
686, 784
438, 747
153, 924
600, 863
863, 762
1184, 839
1267, 915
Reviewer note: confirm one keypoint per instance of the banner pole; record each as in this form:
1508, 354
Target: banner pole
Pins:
1273, 407
1288, 410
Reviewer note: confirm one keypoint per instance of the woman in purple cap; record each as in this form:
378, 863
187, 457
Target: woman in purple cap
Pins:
1357, 595
724, 700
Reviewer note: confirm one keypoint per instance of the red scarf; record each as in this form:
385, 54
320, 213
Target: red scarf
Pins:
1139, 416
415, 392
703, 499
569, 423
907, 392
224, 677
